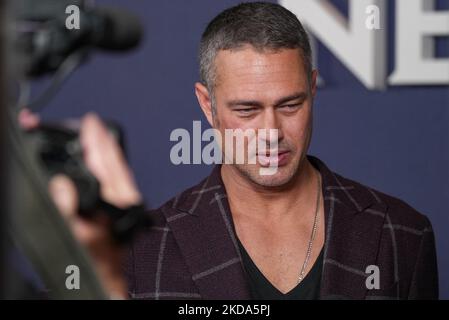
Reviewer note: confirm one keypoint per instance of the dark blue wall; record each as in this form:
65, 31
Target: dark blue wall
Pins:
396, 140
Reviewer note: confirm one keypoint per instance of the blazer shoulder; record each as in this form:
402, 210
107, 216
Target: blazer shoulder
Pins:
175, 203
402, 213
399, 211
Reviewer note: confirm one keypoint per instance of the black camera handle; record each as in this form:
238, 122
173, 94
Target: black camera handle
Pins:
126, 222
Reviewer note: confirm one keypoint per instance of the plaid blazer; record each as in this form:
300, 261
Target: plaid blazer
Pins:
190, 252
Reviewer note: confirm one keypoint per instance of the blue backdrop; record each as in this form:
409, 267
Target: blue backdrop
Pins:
396, 140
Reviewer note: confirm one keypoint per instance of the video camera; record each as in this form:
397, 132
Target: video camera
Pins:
47, 45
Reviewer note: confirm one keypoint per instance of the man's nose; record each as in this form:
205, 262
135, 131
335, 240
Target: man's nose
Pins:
272, 121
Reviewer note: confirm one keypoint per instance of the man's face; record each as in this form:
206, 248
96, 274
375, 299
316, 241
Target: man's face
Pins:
266, 90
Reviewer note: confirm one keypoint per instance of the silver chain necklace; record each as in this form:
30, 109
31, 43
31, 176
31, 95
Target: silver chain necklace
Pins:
312, 236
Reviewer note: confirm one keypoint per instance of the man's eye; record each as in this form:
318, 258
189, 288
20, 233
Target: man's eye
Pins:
246, 110
290, 107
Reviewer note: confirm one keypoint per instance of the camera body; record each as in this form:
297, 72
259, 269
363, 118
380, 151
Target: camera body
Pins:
59, 151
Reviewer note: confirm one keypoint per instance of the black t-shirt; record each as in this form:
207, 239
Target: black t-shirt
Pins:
262, 289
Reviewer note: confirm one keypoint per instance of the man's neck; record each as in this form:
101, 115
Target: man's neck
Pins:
270, 203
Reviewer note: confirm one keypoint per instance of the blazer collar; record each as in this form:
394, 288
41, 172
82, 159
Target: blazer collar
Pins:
202, 224
354, 217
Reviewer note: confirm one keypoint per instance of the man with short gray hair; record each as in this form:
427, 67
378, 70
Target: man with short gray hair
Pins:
301, 232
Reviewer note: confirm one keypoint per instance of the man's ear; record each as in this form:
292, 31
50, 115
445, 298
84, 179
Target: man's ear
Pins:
204, 99
313, 80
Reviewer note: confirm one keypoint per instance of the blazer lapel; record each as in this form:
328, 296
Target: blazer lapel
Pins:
353, 220
202, 226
